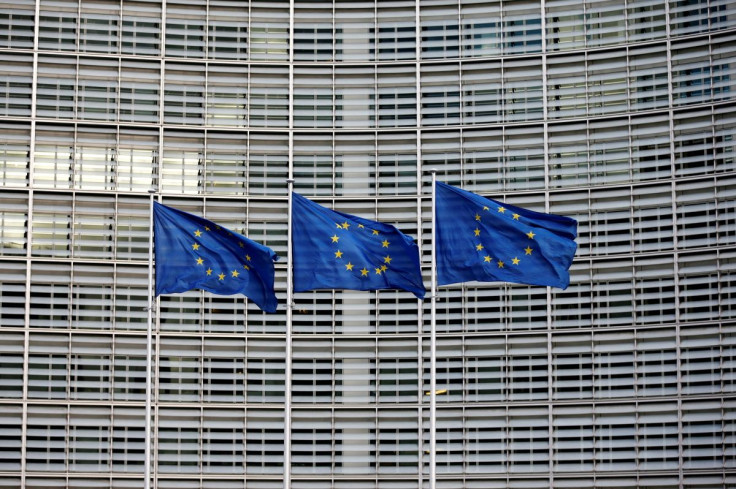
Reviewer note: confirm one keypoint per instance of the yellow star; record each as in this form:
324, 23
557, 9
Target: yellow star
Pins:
198, 233
221, 276
375, 233
479, 247
387, 259
361, 226
528, 250
338, 225
500, 264
247, 257
216, 227
349, 266
235, 273
200, 261
515, 261
530, 235
487, 259
384, 268
477, 232
516, 217
364, 272
209, 271
195, 246
485, 208
477, 217
206, 228
338, 254
246, 267
502, 209
385, 243
335, 239
240, 243
378, 271
345, 225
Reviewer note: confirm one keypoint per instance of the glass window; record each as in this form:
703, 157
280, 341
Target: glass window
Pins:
185, 29
46, 438
396, 26
15, 85
355, 98
56, 95
613, 364
95, 158
313, 97
183, 162
648, 85
440, 95
179, 436
568, 155
128, 432
227, 30
522, 82
481, 28
565, 25
355, 165
99, 27
269, 96
269, 31
313, 34
58, 27
139, 91
604, 22
184, 94
226, 96
264, 442
522, 27
482, 93
355, 32
645, 19
397, 97
17, 17
141, 28
440, 32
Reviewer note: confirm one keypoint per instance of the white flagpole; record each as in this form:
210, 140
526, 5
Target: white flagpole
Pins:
287, 360
433, 349
149, 348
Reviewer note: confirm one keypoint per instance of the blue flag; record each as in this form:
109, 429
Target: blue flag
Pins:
194, 253
333, 250
485, 240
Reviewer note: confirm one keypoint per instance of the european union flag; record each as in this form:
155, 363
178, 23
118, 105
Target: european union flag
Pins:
333, 250
194, 253
485, 240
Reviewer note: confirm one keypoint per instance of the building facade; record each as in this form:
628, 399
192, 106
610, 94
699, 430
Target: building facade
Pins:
617, 113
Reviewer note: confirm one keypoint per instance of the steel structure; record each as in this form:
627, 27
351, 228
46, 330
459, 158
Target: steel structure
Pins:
618, 113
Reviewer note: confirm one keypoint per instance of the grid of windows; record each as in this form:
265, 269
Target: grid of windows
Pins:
617, 113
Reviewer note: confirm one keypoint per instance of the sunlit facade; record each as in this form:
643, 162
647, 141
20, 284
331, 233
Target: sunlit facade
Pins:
617, 113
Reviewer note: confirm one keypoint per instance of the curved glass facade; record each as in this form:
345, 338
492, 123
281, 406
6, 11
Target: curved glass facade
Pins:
617, 113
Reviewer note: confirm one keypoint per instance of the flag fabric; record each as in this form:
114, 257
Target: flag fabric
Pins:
485, 240
194, 253
334, 250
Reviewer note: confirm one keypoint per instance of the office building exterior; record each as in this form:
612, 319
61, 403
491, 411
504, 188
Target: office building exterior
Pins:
617, 113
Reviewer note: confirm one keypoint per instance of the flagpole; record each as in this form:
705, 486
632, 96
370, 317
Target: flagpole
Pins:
287, 366
433, 349
149, 347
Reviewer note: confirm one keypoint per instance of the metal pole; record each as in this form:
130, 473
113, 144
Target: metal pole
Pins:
433, 350
287, 366
149, 347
